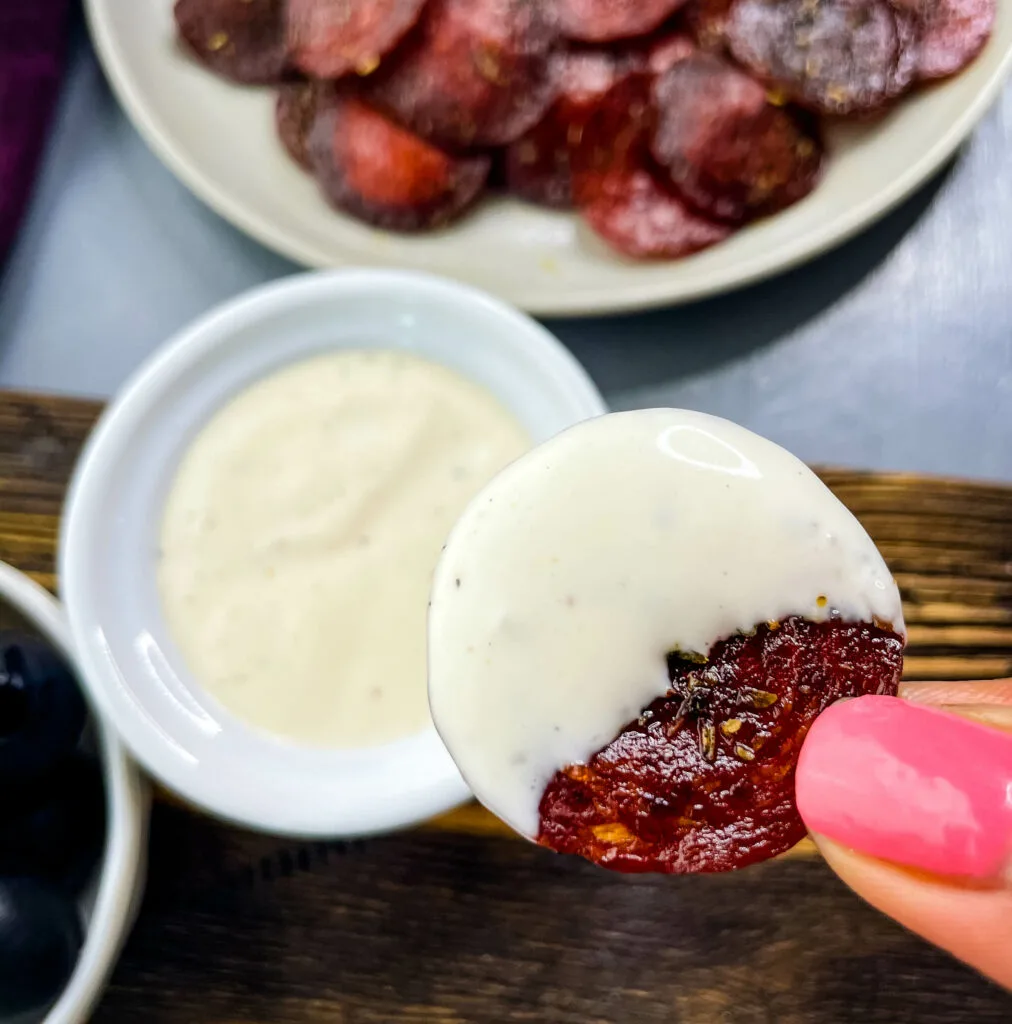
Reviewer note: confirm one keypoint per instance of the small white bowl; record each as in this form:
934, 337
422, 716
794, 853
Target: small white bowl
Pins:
111, 904
112, 520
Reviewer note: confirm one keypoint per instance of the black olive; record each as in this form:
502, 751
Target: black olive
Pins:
40, 938
55, 829
42, 711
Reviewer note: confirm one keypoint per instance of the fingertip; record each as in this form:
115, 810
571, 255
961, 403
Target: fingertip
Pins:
910, 784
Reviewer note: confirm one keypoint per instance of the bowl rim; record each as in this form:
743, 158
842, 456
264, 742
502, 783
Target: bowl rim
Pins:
192, 347
127, 802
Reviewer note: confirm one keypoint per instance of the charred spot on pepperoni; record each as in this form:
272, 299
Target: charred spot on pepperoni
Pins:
835, 56
243, 40
473, 73
733, 154
537, 165
372, 167
703, 780
334, 38
598, 21
952, 33
295, 112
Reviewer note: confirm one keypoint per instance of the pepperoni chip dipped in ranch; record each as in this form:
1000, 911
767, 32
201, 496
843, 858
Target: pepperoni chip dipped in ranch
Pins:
632, 629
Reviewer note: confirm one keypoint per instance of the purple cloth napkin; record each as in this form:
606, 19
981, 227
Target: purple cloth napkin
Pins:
32, 43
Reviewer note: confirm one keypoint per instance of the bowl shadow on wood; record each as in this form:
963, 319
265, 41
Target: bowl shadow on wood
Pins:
647, 349
428, 927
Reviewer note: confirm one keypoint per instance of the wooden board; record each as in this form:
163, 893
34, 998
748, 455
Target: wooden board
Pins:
459, 921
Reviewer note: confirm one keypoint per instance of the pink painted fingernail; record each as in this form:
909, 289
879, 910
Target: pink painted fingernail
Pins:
910, 784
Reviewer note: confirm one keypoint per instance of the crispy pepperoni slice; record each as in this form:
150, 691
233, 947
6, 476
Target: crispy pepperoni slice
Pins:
598, 21
617, 189
704, 780
294, 114
834, 56
537, 166
953, 32
727, 149
614, 136
474, 72
386, 175
333, 38
243, 40
641, 217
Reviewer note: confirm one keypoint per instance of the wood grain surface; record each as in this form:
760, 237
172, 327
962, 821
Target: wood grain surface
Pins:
459, 921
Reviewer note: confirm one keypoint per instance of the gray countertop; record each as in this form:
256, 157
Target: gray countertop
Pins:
893, 352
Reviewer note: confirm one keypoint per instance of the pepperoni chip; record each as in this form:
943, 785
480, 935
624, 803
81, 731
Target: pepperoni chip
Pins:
834, 56
616, 187
598, 21
953, 32
637, 215
537, 166
384, 174
733, 154
704, 779
294, 114
613, 139
474, 72
243, 40
333, 38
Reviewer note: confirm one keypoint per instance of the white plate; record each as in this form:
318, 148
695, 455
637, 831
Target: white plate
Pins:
108, 546
220, 140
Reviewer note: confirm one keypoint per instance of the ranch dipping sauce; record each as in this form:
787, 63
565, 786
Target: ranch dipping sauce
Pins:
301, 533
569, 579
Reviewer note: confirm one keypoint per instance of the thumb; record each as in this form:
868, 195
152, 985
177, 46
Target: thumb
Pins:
911, 805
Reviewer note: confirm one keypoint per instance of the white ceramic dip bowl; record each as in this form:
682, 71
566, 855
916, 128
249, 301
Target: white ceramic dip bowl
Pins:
109, 543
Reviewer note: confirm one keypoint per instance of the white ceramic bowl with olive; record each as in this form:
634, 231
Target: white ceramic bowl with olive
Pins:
73, 820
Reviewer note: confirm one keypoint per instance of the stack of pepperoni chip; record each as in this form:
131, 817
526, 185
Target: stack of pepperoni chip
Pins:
667, 124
